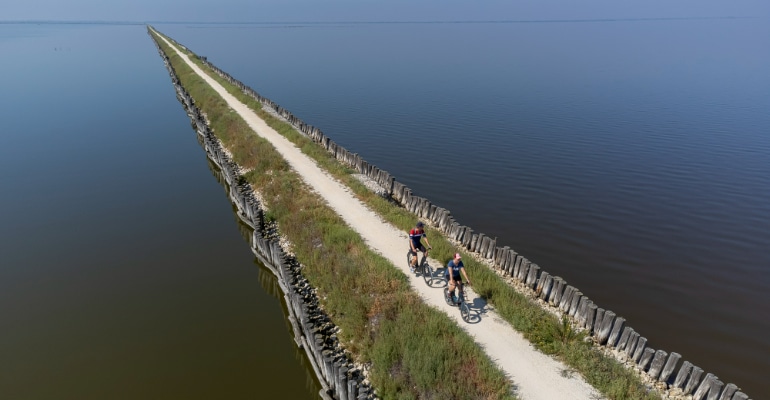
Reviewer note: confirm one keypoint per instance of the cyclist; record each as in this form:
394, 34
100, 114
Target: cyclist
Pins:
452, 274
415, 243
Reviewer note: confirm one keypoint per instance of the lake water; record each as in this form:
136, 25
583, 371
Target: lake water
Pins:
632, 158
628, 157
124, 274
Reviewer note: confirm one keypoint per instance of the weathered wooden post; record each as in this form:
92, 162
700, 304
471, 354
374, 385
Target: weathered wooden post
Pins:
342, 382
565, 299
640, 345
623, 341
534, 269
605, 327
704, 387
352, 389
681, 376
556, 292
657, 364
740, 396
693, 380
574, 301
644, 362
590, 317
523, 270
668, 369
545, 286
617, 325
728, 392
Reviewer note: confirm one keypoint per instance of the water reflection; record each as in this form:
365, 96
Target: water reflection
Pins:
268, 281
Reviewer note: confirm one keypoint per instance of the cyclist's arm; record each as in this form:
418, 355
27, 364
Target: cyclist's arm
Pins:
465, 275
426, 240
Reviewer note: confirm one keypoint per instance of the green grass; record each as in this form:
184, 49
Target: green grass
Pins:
413, 350
541, 328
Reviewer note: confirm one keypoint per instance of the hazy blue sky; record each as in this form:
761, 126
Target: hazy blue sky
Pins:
370, 10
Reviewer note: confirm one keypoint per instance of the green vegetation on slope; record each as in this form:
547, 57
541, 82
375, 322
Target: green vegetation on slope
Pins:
541, 328
413, 350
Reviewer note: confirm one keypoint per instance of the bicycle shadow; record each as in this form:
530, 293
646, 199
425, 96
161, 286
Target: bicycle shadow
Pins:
437, 278
478, 308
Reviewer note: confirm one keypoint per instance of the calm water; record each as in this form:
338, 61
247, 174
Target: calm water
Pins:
123, 272
631, 158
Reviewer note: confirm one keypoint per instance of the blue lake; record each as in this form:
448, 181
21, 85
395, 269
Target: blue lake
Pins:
124, 274
629, 157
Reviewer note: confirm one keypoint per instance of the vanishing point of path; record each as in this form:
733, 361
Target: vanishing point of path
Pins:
535, 375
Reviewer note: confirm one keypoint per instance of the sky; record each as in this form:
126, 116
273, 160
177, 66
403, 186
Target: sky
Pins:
370, 10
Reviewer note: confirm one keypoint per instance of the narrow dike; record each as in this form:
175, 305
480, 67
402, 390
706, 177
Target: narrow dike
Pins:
620, 355
343, 375
311, 327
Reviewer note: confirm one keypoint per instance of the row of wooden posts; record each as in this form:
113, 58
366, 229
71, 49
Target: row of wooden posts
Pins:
606, 328
339, 378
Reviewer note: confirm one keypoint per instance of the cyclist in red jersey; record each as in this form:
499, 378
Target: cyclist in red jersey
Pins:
415, 243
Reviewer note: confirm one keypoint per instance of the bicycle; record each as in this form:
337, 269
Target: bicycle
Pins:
423, 268
459, 301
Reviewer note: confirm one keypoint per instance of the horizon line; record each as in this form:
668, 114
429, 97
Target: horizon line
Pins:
521, 21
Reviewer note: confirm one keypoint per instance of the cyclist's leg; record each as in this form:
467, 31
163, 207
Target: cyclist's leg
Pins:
424, 251
414, 258
451, 287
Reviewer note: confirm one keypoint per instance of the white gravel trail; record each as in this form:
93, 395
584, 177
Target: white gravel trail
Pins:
536, 376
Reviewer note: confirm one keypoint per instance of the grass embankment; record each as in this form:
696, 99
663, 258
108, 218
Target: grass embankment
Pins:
540, 327
414, 350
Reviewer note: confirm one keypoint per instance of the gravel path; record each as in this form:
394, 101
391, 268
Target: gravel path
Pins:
535, 375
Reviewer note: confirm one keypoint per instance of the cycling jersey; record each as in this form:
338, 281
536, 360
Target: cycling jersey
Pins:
416, 235
455, 268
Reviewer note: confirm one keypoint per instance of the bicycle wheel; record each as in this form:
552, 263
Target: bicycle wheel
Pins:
465, 311
446, 297
427, 273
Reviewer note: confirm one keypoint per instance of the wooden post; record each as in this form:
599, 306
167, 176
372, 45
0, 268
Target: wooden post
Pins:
576, 296
342, 382
631, 344
727, 393
352, 389
740, 396
327, 367
624, 338
512, 264
468, 238
640, 345
605, 327
545, 289
657, 364
681, 376
478, 242
715, 389
646, 358
501, 256
673, 358
590, 317
580, 314
565, 298
616, 327
704, 387
532, 275
558, 288
693, 379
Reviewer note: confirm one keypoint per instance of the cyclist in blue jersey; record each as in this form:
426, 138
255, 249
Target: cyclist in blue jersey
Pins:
415, 243
454, 268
